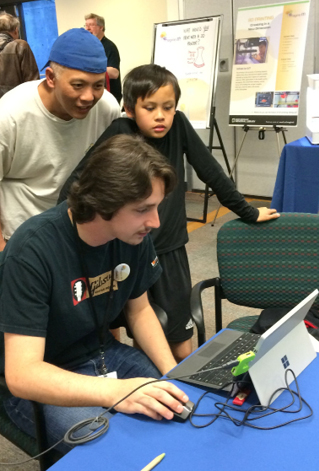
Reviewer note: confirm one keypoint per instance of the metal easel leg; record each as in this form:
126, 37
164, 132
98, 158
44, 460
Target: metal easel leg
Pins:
278, 143
278, 130
283, 135
246, 129
222, 148
207, 194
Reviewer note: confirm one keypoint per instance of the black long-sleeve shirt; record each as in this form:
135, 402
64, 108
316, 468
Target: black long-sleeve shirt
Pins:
181, 139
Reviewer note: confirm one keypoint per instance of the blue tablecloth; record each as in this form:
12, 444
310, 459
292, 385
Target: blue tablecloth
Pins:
297, 182
133, 441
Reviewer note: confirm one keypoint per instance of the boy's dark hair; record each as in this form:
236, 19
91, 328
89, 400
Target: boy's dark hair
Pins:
145, 80
120, 171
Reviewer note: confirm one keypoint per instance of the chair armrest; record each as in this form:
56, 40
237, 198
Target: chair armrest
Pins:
161, 315
197, 307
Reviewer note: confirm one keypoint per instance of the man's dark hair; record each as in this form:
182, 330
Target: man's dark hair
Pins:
145, 80
120, 171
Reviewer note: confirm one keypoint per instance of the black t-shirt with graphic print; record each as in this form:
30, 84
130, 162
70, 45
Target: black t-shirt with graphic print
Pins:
43, 290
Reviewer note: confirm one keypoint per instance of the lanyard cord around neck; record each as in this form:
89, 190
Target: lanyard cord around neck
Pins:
101, 330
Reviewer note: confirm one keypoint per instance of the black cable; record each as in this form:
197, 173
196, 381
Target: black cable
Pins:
32, 457
215, 416
98, 427
102, 424
257, 409
69, 436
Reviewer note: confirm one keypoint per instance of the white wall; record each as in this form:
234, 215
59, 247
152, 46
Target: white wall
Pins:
128, 23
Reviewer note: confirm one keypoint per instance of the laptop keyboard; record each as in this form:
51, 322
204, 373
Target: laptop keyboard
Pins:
218, 378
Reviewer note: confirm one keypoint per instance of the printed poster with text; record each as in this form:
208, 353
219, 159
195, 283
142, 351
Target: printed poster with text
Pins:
268, 60
189, 51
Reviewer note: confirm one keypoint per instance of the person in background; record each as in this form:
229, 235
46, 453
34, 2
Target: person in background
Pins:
151, 95
95, 24
17, 62
261, 56
47, 125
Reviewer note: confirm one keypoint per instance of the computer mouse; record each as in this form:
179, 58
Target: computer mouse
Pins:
183, 416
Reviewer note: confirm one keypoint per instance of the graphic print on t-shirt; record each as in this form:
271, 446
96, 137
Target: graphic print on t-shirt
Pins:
99, 285
79, 290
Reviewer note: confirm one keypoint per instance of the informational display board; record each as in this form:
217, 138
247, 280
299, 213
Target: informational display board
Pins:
189, 49
268, 58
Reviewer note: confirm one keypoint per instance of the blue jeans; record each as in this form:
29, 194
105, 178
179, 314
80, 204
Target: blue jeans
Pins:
127, 361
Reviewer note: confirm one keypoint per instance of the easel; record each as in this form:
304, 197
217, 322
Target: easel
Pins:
208, 194
158, 57
261, 136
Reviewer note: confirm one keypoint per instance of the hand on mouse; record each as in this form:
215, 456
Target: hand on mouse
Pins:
151, 399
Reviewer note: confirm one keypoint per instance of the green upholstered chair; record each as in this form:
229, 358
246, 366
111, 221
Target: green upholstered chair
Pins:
29, 445
262, 265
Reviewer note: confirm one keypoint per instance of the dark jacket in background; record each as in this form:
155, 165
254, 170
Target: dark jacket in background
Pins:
113, 60
17, 63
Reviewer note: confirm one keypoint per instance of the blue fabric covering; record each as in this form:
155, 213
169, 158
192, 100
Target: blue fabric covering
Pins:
133, 441
297, 183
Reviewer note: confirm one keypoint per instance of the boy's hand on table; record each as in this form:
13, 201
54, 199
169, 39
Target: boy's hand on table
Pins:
265, 214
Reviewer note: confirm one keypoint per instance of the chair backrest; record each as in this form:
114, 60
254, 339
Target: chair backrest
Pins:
270, 264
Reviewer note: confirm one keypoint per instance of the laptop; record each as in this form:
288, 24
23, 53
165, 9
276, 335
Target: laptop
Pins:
286, 344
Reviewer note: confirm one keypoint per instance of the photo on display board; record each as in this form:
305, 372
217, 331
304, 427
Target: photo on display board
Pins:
251, 50
285, 99
264, 99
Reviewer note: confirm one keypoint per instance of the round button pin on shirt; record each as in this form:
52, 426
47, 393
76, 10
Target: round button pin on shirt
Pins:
121, 272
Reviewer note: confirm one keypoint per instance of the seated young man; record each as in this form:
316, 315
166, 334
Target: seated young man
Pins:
66, 274
151, 94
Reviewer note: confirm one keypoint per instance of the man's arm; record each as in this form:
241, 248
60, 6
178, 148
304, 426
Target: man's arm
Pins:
113, 72
7, 145
28, 376
148, 333
29, 68
211, 172
2, 241
113, 61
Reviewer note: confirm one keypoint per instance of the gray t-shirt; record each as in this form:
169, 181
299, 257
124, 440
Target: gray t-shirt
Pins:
38, 151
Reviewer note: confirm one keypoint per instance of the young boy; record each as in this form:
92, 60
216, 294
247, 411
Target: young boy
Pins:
151, 95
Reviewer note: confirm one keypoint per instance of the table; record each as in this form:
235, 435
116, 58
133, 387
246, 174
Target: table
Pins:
133, 441
297, 182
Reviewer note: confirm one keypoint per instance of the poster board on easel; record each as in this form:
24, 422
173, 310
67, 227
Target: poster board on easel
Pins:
268, 59
190, 50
